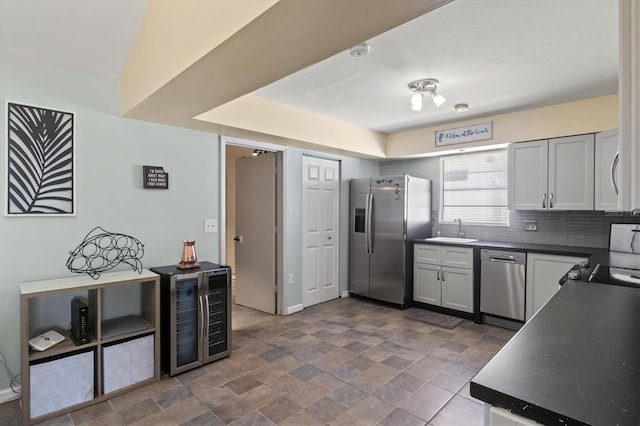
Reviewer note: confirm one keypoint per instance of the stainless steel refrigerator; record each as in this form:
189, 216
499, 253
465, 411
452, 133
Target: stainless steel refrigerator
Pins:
386, 215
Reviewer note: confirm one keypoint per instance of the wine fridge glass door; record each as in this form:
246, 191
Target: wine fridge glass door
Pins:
218, 327
188, 306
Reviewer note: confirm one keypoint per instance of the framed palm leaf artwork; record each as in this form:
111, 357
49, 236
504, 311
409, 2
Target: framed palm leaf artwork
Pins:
40, 161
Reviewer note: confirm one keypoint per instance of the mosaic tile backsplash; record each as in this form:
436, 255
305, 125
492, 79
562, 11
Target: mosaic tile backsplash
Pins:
568, 228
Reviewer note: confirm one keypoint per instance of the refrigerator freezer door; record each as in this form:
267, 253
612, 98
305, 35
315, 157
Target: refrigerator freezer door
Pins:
358, 237
387, 268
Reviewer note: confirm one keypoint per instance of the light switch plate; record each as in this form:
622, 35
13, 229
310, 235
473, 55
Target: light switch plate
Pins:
530, 225
210, 225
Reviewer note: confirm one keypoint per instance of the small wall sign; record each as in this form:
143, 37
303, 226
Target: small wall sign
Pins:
155, 177
476, 132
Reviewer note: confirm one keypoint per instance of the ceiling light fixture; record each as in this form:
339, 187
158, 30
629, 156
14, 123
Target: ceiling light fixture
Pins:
420, 87
461, 107
360, 50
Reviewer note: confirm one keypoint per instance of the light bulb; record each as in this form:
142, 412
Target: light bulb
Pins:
438, 99
416, 102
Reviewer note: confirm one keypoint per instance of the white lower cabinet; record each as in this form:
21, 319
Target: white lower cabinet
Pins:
500, 417
436, 283
427, 287
543, 275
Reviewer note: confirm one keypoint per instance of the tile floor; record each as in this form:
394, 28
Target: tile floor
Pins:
343, 362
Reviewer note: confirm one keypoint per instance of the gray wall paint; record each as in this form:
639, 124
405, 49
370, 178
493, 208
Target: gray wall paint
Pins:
110, 152
426, 168
292, 164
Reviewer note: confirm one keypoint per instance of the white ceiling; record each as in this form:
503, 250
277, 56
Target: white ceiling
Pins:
87, 35
495, 55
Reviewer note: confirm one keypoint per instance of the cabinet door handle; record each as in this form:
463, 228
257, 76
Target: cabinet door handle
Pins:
551, 200
206, 319
438, 274
442, 274
614, 166
544, 201
202, 319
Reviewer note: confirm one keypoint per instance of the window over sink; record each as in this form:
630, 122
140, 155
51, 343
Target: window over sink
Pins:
473, 187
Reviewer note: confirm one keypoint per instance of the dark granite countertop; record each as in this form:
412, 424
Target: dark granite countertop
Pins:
534, 248
576, 361
595, 255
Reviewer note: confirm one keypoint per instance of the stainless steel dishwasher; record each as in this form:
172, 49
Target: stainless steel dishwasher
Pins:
502, 283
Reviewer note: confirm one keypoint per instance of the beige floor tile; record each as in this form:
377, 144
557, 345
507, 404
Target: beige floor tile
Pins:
175, 414
427, 401
112, 419
138, 411
326, 409
85, 415
215, 397
369, 411
245, 403
139, 395
302, 418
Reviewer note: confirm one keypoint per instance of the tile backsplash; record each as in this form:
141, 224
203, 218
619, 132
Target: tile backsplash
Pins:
568, 228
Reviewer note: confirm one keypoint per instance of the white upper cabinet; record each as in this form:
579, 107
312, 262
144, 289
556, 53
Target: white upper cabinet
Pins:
527, 175
606, 197
554, 174
571, 173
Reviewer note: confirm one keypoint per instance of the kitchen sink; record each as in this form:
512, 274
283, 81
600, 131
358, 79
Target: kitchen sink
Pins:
451, 240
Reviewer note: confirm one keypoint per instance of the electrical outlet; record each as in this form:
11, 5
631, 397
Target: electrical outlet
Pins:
210, 225
530, 225
290, 278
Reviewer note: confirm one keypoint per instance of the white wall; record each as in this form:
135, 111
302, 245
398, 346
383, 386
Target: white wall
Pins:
110, 154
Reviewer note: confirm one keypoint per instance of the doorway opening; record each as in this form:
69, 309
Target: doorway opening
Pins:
252, 240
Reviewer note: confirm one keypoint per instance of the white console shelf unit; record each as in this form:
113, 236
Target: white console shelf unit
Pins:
46, 305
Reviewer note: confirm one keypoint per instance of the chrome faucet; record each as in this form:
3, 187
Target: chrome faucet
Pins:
460, 231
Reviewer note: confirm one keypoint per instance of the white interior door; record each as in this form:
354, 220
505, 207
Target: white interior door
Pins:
320, 201
255, 232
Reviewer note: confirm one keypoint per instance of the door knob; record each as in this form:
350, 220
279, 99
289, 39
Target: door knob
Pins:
238, 239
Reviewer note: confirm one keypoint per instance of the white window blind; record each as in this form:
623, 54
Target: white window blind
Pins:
474, 188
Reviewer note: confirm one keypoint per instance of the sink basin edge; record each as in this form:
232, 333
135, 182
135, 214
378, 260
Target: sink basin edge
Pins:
454, 240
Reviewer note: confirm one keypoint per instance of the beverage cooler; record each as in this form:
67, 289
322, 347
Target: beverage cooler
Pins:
195, 317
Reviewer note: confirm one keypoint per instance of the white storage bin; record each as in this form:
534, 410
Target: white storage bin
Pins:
126, 363
61, 383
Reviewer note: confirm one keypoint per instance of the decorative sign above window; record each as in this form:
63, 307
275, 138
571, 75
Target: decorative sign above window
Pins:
476, 132
155, 177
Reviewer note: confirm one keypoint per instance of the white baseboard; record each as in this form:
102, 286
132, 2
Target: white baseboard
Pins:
7, 395
294, 309
345, 294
